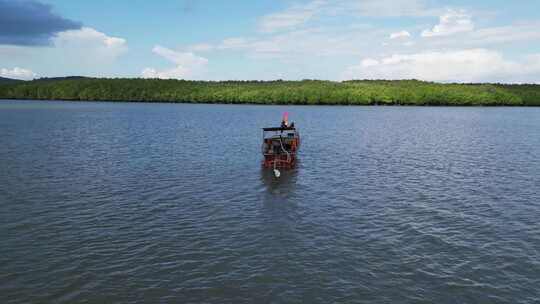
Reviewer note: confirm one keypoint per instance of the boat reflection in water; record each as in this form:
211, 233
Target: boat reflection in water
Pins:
286, 181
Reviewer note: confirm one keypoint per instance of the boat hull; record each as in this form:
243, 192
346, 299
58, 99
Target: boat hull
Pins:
279, 161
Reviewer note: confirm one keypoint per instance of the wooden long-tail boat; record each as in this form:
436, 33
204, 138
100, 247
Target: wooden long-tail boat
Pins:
280, 146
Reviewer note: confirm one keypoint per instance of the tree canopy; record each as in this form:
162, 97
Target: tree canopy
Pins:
305, 92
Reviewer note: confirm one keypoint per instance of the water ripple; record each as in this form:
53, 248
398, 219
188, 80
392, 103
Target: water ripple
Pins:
127, 203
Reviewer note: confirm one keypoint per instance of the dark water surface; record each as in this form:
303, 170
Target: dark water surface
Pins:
120, 202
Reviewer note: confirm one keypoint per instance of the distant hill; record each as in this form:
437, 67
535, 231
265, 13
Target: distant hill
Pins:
62, 78
8, 80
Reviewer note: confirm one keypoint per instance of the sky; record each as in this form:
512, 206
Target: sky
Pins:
432, 40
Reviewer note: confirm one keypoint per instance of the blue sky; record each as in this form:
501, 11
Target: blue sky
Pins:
436, 40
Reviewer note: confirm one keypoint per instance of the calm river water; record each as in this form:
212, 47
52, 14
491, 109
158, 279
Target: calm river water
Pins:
138, 202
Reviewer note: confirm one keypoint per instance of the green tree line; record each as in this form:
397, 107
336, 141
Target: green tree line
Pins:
305, 92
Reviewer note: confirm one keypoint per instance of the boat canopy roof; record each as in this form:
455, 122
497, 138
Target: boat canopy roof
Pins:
279, 129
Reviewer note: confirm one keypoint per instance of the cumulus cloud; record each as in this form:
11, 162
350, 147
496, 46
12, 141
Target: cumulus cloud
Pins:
473, 65
188, 65
29, 22
89, 39
17, 73
85, 52
452, 22
401, 34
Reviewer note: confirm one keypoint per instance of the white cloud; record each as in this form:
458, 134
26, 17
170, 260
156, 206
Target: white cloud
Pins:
401, 34
473, 65
180, 58
389, 8
188, 65
291, 17
309, 40
368, 62
292, 35
18, 73
85, 52
452, 22
298, 15
299, 45
90, 40
503, 34
178, 72
234, 43
520, 36
201, 47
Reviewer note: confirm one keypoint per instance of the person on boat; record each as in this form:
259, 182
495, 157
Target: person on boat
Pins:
285, 120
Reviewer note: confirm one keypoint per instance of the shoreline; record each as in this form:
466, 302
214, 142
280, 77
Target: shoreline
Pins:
274, 104
305, 92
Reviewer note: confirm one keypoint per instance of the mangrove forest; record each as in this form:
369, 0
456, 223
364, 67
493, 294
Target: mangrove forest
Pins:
305, 92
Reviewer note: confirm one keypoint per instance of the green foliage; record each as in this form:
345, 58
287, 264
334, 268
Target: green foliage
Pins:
306, 92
